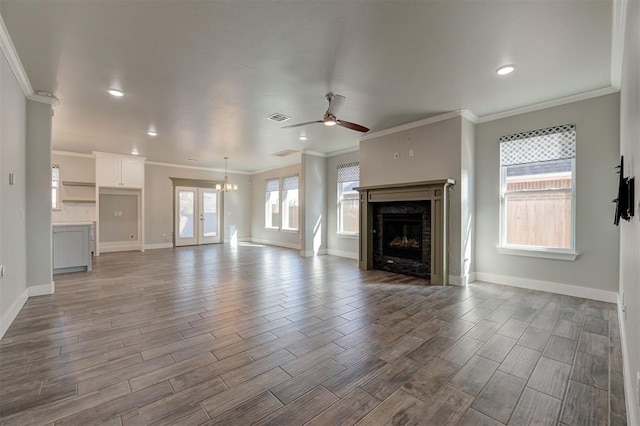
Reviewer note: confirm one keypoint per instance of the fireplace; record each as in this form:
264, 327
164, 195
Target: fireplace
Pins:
402, 235
403, 229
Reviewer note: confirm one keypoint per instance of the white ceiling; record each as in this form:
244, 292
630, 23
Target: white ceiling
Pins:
206, 74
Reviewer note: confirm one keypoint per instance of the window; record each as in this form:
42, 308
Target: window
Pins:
272, 204
537, 187
55, 187
290, 203
348, 198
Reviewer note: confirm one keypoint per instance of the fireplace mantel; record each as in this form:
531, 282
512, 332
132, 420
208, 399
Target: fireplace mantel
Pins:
434, 191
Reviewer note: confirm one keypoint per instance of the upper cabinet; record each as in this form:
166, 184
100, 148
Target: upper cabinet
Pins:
119, 171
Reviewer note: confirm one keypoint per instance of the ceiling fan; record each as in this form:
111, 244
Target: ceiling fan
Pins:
329, 119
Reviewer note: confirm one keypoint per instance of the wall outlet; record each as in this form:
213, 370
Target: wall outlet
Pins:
411, 153
132, 236
395, 156
164, 237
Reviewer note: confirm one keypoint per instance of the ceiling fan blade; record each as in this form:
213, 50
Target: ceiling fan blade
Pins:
302, 124
352, 126
335, 104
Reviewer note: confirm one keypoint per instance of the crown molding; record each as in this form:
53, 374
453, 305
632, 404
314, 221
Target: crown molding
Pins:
9, 50
314, 153
11, 54
425, 121
618, 25
51, 100
297, 160
549, 104
72, 154
184, 166
343, 151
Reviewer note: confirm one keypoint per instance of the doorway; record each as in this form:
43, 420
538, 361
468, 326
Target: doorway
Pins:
196, 216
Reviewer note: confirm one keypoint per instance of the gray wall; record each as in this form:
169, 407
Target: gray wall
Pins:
314, 205
259, 233
13, 251
38, 214
630, 231
118, 227
159, 201
596, 238
438, 154
339, 245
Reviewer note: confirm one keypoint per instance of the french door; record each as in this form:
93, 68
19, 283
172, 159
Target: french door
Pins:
197, 216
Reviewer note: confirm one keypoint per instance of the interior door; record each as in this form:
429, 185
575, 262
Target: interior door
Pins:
209, 212
197, 216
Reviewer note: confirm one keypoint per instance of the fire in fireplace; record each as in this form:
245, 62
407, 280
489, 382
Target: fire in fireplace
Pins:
402, 235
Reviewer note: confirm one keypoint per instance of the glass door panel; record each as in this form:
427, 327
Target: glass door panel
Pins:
185, 215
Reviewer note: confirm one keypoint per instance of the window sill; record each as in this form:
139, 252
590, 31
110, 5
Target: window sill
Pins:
272, 228
56, 210
290, 231
540, 253
348, 235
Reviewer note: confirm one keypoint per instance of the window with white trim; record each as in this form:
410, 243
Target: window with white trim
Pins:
55, 187
537, 173
272, 204
348, 198
290, 203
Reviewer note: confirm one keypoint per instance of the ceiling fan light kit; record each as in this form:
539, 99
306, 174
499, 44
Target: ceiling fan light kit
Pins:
329, 118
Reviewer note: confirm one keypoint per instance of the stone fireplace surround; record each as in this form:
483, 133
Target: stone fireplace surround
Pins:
434, 191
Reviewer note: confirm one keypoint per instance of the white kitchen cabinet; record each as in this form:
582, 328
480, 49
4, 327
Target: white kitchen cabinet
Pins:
71, 247
119, 171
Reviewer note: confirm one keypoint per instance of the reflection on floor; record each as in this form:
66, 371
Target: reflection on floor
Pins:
243, 334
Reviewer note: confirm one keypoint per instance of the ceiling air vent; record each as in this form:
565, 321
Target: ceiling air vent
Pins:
276, 116
285, 153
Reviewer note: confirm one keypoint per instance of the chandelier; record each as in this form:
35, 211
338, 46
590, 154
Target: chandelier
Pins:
226, 186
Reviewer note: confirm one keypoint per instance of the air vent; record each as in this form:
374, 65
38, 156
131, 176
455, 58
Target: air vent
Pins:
284, 153
276, 116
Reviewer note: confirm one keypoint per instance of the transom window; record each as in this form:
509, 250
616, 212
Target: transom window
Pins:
348, 198
537, 172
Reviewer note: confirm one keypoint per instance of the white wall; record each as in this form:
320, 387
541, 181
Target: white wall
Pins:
596, 238
438, 154
259, 233
630, 231
159, 201
38, 201
13, 251
313, 183
338, 245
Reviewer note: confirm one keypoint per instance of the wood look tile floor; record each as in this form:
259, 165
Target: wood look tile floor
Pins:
250, 334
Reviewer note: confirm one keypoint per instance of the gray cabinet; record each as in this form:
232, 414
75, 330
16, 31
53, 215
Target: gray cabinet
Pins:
71, 248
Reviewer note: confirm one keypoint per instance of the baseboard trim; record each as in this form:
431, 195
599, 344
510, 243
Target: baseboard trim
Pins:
120, 246
341, 253
311, 253
462, 281
12, 312
158, 246
41, 290
276, 243
550, 287
632, 409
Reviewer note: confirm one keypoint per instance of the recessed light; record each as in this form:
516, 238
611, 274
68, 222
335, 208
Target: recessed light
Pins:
303, 138
152, 133
117, 93
505, 69
134, 152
